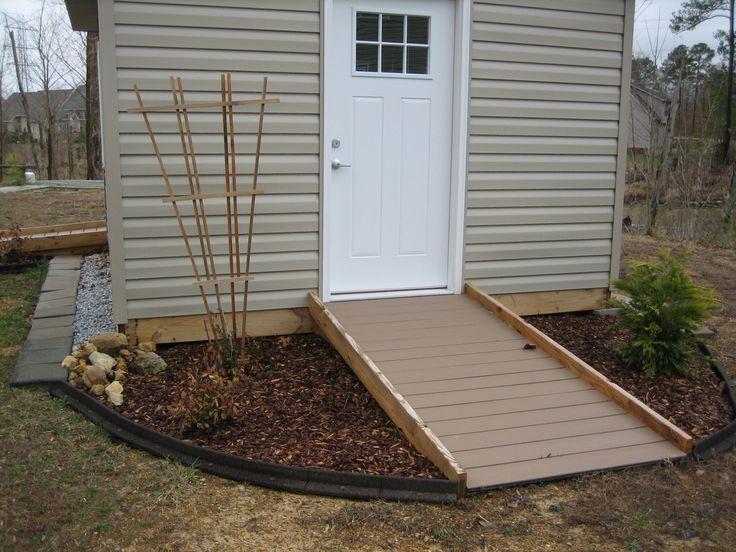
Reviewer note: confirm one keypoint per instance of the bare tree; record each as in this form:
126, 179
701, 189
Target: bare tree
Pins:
53, 62
664, 165
92, 133
50, 40
730, 206
3, 81
20, 82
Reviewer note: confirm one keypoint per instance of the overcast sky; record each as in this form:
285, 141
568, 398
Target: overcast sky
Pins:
652, 24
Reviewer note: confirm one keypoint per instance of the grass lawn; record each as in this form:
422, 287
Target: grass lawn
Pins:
64, 485
45, 206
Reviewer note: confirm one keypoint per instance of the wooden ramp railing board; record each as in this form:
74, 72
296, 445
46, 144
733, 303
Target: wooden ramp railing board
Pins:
454, 374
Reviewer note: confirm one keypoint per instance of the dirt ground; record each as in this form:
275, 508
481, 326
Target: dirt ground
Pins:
45, 206
64, 485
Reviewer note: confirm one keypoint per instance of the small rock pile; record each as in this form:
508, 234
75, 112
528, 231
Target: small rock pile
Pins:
101, 364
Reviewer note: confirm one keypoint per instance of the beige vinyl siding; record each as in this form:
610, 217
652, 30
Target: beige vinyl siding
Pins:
197, 40
543, 143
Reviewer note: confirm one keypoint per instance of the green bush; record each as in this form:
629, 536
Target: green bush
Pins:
665, 308
14, 174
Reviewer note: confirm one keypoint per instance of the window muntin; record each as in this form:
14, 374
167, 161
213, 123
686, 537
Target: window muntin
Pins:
391, 44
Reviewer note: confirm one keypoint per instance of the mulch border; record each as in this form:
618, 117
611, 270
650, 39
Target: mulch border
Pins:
725, 438
264, 474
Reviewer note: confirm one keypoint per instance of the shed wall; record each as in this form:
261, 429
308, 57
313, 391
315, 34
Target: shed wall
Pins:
544, 137
543, 142
197, 40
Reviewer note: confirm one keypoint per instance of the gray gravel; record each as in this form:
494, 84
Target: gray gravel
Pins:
94, 299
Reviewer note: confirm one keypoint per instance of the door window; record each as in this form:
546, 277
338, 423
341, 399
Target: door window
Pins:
391, 44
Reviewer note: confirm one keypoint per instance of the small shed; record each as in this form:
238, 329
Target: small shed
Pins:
649, 112
417, 145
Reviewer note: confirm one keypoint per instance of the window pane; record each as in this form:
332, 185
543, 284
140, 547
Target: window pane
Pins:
417, 29
392, 59
366, 26
393, 28
416, 60
366, 57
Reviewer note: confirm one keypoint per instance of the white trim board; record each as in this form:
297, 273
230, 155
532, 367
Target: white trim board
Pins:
461, 99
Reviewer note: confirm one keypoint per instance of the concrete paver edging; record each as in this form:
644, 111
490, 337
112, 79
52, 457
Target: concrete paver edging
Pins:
50, 337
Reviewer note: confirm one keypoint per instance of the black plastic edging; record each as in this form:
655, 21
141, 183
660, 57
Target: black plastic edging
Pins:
256, 472
724, 438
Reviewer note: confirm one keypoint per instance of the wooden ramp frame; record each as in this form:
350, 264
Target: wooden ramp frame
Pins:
489, 399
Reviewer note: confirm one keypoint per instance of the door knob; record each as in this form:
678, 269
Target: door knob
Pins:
336, 164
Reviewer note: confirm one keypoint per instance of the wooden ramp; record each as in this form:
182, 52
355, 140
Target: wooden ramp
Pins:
494, 404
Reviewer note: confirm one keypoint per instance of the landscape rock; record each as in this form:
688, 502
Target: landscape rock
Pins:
87, 350
149, 363
72, 376
94, 375
98, 389
147, 346
110, 343
104, 361
114, 392
69, 363
126, 355
119, 375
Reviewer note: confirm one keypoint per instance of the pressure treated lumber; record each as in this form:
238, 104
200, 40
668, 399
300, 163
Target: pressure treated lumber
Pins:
548, 302
631, 404
182, 329
397, 408
73, 238
59, 228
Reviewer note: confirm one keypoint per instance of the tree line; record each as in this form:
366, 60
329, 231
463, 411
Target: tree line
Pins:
688, 95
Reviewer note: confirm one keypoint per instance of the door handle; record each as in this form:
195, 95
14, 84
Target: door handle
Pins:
336, 164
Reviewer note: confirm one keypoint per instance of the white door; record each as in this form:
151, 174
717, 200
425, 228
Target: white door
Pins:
388, 141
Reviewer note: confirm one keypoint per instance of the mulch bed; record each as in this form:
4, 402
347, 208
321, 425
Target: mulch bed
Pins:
303, 407
697, 405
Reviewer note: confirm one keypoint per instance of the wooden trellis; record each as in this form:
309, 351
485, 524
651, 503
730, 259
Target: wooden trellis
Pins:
216, 316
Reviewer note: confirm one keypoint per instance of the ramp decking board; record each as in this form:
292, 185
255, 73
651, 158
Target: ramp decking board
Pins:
541, 432
512, 353
540, 469
473, 370
513, 420
520, 391
507, 414
508, 406
483, 382
459, 349
442, 336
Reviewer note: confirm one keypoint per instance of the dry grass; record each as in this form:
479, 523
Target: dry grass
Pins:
42, 207
64, 485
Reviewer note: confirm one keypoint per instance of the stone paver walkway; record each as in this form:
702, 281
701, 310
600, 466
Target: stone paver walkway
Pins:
50, 338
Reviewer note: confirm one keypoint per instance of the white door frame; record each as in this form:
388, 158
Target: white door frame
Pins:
460, 108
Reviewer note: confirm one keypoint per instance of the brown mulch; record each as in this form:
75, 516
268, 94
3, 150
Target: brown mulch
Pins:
698, 405
304, 407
